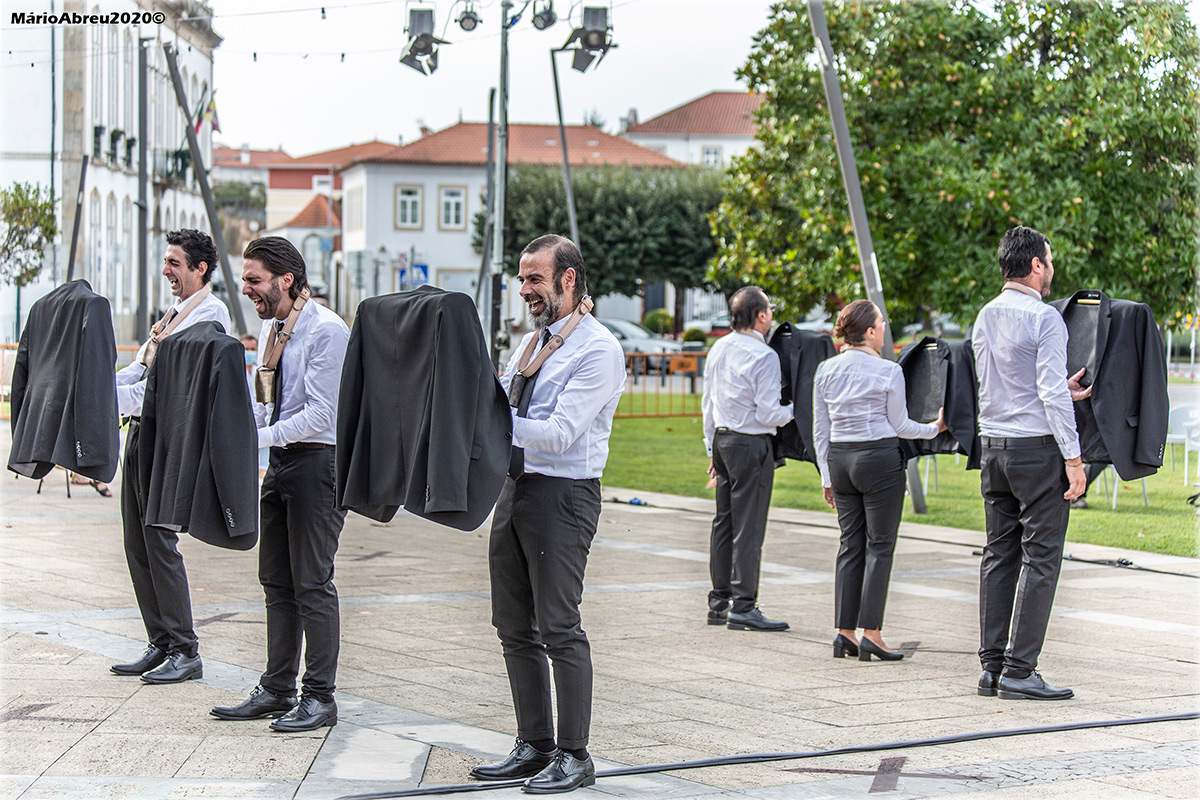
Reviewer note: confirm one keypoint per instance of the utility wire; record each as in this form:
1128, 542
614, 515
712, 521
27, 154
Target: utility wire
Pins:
763, 758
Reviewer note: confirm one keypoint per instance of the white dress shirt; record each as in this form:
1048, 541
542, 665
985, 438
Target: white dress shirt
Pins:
1021, 359
312, 374
569, 421
131, 386
858, 397
743, 385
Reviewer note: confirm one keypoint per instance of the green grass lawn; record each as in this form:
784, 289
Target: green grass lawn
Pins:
667, 455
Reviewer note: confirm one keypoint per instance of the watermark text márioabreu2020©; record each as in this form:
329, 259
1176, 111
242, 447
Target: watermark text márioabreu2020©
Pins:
76, 18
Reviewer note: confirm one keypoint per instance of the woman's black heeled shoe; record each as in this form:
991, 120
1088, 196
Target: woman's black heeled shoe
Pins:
867, 648
843, 646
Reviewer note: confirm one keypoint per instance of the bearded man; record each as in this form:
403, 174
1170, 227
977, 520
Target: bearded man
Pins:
301, 347
563, 398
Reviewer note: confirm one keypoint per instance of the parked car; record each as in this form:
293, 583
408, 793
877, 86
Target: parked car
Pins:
635, 338
716, 325
943, 327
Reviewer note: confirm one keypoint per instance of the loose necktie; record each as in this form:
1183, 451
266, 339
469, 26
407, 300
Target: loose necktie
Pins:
278, 386
516, 461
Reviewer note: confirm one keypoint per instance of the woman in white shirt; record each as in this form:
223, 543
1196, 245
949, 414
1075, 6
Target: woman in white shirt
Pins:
859, 417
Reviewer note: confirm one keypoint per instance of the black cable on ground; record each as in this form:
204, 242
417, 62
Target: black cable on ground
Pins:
761, 758
1121, 563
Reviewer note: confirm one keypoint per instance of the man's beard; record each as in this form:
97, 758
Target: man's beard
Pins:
1046, 285
271, 300
551, 308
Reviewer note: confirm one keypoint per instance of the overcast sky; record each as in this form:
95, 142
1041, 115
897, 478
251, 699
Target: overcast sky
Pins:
669, 52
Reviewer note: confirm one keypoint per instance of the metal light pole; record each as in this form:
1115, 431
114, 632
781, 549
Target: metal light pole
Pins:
858, 210
562, 137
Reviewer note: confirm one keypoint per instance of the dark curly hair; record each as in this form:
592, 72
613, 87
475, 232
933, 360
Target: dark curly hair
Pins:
198, 247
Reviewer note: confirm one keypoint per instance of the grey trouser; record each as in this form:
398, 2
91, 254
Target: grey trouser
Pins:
300, 528
542, 531
1022, 484
745, 467
868, 487
159, 578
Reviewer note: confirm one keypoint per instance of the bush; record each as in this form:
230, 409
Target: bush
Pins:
659, 320
695, 335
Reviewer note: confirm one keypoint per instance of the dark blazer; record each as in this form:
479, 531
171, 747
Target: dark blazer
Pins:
198, 446
64, 391
940, 374
422, 420
1124, 422
800, 351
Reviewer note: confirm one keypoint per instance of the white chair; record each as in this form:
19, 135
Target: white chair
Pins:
1178, 421
1110, 473
1191, 441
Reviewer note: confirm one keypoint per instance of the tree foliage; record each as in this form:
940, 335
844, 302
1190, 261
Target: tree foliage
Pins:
635, 226
1075, 118
27, 226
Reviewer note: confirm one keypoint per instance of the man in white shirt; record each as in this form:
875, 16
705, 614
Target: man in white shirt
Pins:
546, 518
152, 553
741, 406
1031, 468
300, 523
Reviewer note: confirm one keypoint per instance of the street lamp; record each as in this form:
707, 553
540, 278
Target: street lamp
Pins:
593, 37
420, 53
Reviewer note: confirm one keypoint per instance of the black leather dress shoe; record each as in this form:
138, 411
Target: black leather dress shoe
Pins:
718, 616
259, 705
152, 656
308, 715
987, 683
523, 762
565, 773
753, 620
1033, 687
176, 669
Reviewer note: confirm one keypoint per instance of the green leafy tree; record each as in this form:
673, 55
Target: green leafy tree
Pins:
1076, 118
635, 226
27, 226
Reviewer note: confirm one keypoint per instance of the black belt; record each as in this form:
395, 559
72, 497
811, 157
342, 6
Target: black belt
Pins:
1015, 442
739, 433
305, 446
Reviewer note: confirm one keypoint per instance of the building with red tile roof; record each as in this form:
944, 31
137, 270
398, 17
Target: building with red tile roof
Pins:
709, 130
292, 183
410, 211
466, 143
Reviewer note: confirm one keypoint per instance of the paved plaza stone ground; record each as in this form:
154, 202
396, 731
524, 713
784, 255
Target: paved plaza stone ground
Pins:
423, 695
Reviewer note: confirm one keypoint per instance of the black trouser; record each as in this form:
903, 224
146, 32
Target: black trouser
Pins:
542, 530
745, 467
155, 565
868, 487
1023, 482
300, 526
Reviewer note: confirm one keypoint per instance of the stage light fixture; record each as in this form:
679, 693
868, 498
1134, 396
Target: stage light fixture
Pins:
420, 53
545, 18
469, 20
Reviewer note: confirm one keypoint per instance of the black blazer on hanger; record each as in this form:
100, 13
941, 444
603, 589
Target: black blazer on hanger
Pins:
198, 443
800, 351
422, 420
64, 391
1124, 422
940, 374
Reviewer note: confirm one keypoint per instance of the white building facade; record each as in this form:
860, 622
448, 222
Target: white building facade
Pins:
79, 95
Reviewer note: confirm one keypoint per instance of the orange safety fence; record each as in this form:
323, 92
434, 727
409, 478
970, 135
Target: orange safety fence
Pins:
663, 384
